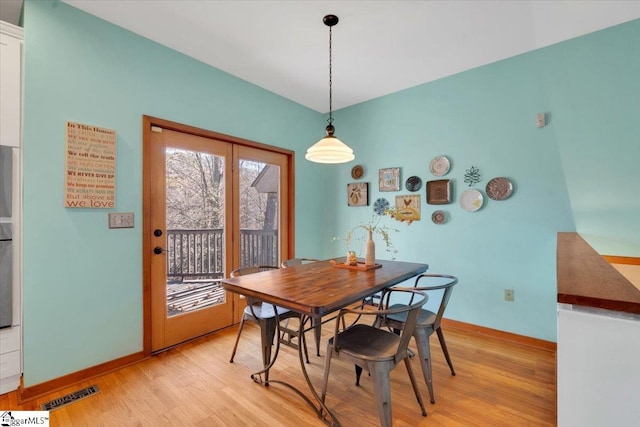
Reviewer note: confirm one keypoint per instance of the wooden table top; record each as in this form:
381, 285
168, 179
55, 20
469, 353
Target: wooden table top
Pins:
586, 278
319, 288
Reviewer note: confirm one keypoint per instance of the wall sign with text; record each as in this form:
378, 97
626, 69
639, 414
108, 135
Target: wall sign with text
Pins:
90, 167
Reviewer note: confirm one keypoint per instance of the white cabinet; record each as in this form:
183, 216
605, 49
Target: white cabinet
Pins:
11, 135
10, 84
10, 359
598, 367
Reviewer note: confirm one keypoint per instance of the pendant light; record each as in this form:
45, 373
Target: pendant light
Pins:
330, 149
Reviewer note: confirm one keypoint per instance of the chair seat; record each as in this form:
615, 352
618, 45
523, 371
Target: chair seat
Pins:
265, 311
368, 342
427, 318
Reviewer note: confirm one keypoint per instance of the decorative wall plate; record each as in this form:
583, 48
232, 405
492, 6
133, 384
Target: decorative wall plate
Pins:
413, 183
439, 166
380, 205
357, 171
499, 188
471, 200
439, 192
439, 217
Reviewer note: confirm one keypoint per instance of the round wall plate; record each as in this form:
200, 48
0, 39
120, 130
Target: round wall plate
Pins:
471, 200
357, 171
439, 166
499, 188
439, 217
413, 183
380, 205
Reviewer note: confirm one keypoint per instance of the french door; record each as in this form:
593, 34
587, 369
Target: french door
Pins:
213, 203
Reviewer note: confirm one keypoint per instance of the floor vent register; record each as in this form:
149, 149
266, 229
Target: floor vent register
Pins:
70, 398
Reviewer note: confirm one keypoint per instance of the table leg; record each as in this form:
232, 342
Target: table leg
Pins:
318, 406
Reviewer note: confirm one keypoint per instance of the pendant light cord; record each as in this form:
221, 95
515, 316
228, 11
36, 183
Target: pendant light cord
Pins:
330, 120
329, 149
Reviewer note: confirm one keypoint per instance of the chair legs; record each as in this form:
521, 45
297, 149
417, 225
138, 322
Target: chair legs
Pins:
424, 352
382, 393
414, 384
379, 374
287, 335
267, 332
327, 365
316, 325
443, 344
235, 346
382, 390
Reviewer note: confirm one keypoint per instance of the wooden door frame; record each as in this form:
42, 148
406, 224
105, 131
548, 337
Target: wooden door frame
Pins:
147, 123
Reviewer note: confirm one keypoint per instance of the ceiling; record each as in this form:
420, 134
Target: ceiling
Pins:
379, 47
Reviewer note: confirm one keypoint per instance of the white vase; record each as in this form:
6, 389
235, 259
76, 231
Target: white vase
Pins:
370, 256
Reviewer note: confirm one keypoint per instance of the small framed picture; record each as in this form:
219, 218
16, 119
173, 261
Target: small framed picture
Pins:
358, 194
408, 207
389, 179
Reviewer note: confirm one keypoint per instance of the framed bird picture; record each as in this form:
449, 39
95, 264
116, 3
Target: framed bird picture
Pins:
408, 208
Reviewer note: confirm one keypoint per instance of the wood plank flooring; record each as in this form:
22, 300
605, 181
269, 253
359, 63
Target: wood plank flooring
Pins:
497, 383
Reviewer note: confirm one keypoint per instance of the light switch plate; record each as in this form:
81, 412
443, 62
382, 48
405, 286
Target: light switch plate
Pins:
121, 220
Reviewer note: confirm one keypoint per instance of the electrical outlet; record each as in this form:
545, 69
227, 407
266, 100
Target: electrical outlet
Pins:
508, 295
121, 220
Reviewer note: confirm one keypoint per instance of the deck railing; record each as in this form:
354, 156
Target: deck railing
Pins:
199, 254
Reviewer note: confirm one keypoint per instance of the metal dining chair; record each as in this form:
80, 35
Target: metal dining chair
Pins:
428, 323
297, 261
374, 299
265, 316
376, 350
317, 326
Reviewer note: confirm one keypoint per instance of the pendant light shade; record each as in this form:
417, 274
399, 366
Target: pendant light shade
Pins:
330, 149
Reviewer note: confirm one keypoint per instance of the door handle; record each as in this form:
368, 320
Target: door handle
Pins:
157, 232
158, 250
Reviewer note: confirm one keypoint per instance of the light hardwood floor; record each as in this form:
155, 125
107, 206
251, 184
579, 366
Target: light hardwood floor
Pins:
498, 383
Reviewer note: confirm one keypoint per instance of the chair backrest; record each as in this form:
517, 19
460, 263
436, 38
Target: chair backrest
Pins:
242, 271
445, 282
297, 261
418, 298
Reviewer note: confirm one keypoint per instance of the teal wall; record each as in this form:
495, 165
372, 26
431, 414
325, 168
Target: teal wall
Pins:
83, 282
593, 87
579, 173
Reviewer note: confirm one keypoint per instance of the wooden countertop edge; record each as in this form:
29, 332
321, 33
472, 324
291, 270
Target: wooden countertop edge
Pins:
614, 259
623, 306
586, 278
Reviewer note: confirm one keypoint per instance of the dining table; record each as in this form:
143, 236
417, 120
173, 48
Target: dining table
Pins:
315, 290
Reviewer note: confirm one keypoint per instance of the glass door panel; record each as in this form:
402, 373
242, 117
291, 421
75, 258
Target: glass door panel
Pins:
259, 207
195, 211
262, 207
191, 239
